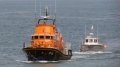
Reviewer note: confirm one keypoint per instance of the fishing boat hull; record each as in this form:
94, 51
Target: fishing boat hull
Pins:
92, 48
46, 54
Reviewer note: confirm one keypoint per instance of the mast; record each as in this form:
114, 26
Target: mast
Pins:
85, 30
91, 30
97, 30
50, 10
35, 10
55, 15
46, 11
40, 9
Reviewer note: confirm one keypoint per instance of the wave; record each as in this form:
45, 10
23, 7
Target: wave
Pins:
92, 52
79, 57
92, 55
25, 61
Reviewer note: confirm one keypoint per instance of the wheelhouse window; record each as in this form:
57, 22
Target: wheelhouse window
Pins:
52, 37
47, 37
95, 40
86, 40
35, 37
91, 40
32, 37
41, 37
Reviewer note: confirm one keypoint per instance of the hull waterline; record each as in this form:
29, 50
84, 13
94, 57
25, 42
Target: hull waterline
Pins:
92, 48
47, 54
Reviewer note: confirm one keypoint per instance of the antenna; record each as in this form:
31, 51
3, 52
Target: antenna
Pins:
91, 30
35, 10
55, 14
97, 29
55, 6
50, 9
85, 30
46, 11
40, 9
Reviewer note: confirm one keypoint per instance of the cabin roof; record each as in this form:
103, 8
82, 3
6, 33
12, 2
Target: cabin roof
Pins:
91, 37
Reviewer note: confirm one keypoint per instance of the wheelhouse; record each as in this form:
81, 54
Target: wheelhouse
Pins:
91, 40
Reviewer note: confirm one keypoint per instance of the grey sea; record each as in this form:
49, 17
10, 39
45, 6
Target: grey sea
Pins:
17, 23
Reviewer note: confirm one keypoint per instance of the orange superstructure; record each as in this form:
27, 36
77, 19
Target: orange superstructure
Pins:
46, 36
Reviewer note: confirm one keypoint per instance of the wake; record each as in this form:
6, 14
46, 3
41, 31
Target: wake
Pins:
25, 61
92, 52
76, 55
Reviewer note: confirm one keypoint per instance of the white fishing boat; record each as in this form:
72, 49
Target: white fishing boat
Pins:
91, 43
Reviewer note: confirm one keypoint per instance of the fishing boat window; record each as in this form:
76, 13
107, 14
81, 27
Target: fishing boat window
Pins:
47, 37
86, 40
36, 37
95, 40
91, 40
41, 37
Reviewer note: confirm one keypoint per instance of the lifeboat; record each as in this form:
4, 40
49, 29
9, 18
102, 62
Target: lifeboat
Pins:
46, 42
91, 43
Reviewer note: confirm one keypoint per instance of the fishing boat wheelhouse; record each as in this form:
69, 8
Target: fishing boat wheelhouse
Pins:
91, 43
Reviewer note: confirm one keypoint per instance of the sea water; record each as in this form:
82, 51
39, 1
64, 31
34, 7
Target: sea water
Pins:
17, 23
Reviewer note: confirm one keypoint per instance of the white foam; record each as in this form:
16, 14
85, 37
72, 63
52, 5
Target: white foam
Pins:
24, 61
47, 61
79, 57
92, 52
27, 61
42, 61
36, 61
